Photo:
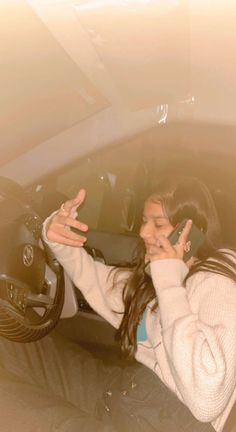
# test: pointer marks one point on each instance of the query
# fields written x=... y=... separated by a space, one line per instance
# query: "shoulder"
x=204 y=277
x=220 y=264
x=217 y=280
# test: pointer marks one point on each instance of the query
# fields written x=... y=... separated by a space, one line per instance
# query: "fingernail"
x=84 y=227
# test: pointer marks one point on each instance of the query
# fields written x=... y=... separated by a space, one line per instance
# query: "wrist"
x=168 y=273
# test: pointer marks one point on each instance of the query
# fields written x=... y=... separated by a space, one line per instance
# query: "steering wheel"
x=31 y=280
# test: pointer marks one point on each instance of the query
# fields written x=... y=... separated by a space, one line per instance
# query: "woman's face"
x=155 y=224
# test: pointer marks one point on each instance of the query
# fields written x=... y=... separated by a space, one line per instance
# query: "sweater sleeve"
x=198 y=335
x=94 y=279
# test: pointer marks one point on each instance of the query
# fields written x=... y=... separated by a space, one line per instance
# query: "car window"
x=110 y=179
x=118 y=178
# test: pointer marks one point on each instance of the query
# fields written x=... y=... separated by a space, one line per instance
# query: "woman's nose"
x=146 y=232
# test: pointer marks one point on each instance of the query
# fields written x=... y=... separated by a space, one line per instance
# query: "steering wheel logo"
x=28 y=255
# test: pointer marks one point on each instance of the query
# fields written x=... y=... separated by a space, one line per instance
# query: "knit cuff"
x=54 y=246
x=168 y=273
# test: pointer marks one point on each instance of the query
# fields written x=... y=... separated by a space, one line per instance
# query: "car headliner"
x=78 y=76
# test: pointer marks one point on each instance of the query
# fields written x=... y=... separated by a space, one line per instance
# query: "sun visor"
x=144 y=45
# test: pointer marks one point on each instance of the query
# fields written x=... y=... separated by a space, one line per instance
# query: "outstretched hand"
x=58 y=227
x=163 y=249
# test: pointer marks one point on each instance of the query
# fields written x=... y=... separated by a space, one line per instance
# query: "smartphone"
x=195 y=240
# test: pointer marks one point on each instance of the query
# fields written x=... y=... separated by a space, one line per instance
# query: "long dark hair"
x=180 y=197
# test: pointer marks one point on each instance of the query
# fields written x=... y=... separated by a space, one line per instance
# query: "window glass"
x=118 y=178
x=109 y=178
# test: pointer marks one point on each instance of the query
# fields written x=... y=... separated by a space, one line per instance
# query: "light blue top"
x=141 y=330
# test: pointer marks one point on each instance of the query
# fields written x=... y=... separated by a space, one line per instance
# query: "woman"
x=181 y=321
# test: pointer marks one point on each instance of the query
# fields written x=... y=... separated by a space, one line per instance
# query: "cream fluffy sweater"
x=191 y=341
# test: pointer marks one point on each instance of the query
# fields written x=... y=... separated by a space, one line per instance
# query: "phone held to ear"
x=194 y=241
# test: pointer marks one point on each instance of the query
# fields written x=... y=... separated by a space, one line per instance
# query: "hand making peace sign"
x=58 y=226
